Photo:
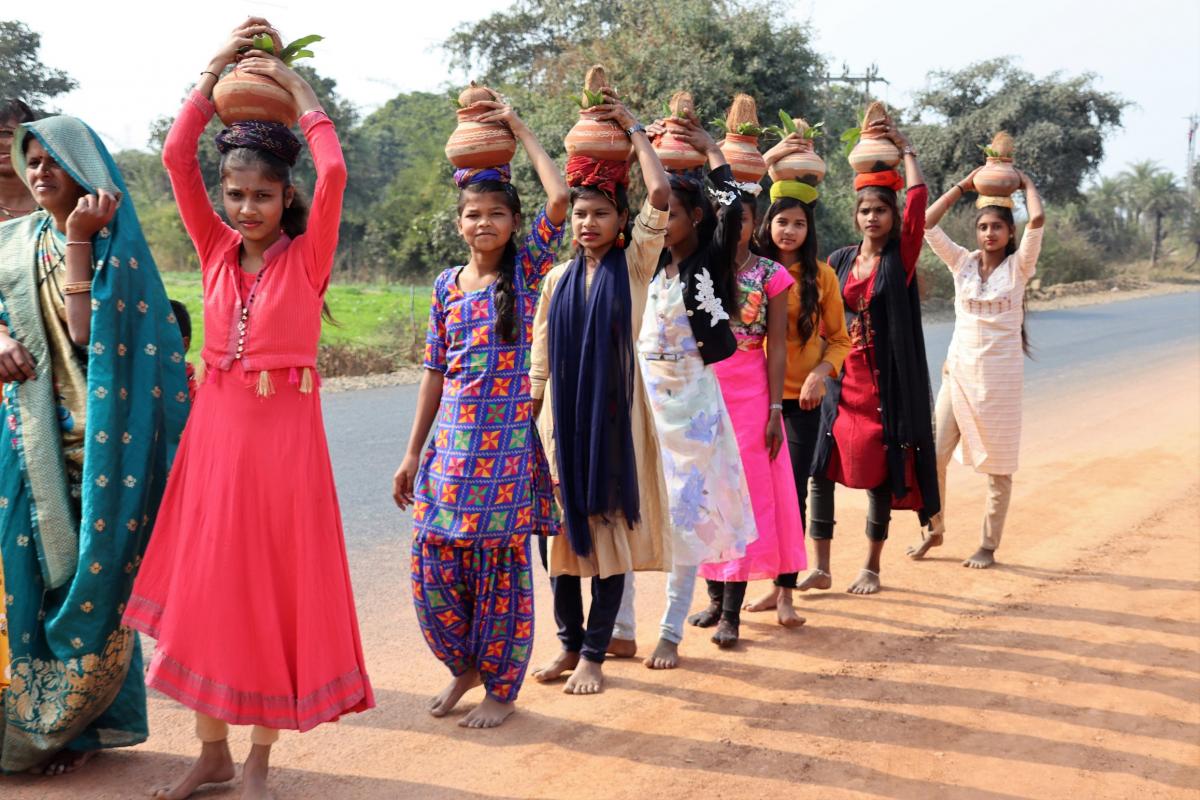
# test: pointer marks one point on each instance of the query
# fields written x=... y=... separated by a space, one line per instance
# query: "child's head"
x=788 y=232
x=184 y=320
x=877 y=213
x=489 y=218
x=690 y=215
x=996 y=230
x=256 y=181
x=598 y=219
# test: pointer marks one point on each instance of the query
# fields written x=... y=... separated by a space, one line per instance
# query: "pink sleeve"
x=912 y=229
x=209 y=233
x=780 y=281
x=325 y=215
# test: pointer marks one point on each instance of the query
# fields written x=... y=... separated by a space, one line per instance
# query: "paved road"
x=368 y=429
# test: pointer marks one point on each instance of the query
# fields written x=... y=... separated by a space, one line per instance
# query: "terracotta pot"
x=597 y=138
x=873 y=154
x=744 y=159
x=807 y=167
x=998 y=178
x=242 y=97
x=478 y=145
x=676 y=154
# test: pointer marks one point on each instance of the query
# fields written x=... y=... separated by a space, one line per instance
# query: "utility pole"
x=870 y=75
x=1191 y=177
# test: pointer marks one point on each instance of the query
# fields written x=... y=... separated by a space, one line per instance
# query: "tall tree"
x=1059 y=123
x=22 y=73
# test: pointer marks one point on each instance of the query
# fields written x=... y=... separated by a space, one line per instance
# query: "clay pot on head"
x=806 y=166
x=874 y=153
x=475 y=144
x=676 y=154
x=242 y=97
x=597 y=138
x=741 y=152
x=998 y=178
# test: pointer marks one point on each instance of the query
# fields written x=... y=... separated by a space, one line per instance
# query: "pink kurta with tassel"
x=245 y=583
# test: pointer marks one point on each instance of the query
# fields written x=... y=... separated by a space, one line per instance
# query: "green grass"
x=368 y=315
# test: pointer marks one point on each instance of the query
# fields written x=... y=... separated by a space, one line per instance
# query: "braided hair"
x=505 y=292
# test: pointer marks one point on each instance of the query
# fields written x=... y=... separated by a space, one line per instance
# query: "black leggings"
x=728 y=596
x=591 y=641
x=802 y=428
x=879 y=510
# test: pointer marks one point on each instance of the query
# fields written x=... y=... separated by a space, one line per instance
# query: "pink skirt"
x=779 y=548
x=245 y=583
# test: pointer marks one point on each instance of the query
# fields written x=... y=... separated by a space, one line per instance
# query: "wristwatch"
x=909 y=150
x=637 y=127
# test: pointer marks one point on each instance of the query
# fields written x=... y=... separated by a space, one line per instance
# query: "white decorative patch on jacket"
x=707 y=298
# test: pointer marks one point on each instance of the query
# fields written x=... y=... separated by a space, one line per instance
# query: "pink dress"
x=743 y=377
x=245 y=583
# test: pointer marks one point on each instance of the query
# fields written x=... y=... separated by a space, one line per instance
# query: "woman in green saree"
x=93 y=402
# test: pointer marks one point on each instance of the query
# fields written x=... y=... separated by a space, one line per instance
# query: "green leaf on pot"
x=296 y=56
x=815 y=130
x=789 y=124
x=719 y=123
x=850 y=138
x=989 y=152
x=749 y=129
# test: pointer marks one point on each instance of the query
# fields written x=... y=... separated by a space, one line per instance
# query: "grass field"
x=369 y=316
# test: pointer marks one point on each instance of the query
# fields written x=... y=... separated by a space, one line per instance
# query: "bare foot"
x=65 y=761
x=441 y=705
x=817 y=579
x=565 y=661
x=928 y=542
x=665 y=656
x=588 y=678
x=786 y=612
x=215 y=765
x=764 y=603
x=726 y=635
x=488 y=714
x=867 y=583
x=982 y=559
x=622 y=648
x=254 y=773
x=706 y=618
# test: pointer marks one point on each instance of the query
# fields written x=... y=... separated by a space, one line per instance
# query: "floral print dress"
x=711 y=515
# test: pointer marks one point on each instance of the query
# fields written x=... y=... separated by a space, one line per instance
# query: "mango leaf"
x=593 y=98
x=719 y=123
x=814 y=131
x=296 y=56
x=789 y=124
x=749 y=129
x=850 y=138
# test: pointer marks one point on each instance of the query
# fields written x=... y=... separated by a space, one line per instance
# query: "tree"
x=1156 y=196
x=22 y=73
x=1059 y=124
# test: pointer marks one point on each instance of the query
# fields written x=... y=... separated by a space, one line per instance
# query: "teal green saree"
x=70 y=544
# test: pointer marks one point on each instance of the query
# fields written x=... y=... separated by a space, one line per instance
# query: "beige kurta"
x=985 y=366
x=617 y=547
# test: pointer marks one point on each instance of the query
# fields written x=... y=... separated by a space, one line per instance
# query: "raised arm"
x=1033 y=202
x=935 y=212
x=558 y=197
x=658 y=188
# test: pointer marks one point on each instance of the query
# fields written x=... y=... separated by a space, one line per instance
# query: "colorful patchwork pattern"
x=475 y=607
x=485 y=477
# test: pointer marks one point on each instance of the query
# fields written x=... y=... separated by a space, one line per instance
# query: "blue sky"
x=133 y=65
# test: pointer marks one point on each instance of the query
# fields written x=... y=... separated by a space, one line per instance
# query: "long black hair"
x=294 y=220
x=765 y=246
x=507 y=324
x=1006 y=216
x=14 y=109
x=718 y=229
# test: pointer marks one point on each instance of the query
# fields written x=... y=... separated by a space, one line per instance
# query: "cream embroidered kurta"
x=985 y=366
x=618 y=548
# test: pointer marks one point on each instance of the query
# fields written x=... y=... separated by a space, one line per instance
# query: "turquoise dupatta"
x=76 y=673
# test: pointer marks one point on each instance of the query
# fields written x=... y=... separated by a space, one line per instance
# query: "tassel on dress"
x=306 y=381
x=265 y=388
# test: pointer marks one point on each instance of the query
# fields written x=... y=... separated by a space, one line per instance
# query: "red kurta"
x=858 y=459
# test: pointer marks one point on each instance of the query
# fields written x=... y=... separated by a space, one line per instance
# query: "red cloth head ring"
x=887 y=179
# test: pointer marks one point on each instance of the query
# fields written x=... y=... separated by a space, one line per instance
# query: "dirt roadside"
x=1072 y=670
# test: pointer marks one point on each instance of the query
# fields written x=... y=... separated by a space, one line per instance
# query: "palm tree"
x=1154 y=195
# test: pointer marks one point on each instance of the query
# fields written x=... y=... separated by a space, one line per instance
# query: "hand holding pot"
x=791 y=145
x=886 y=129
x=499 y=112
x=967 y=184
x=613 y=109
x=257 y=62
x=241 y=40
x=693 y=133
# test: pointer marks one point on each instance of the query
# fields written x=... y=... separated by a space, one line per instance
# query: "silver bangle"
x=776 y=407
x=88 y=243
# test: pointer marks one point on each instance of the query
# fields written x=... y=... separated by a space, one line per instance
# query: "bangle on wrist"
x=78 y=287
x=87 y=242
x=776 y=406
x=216 y=77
